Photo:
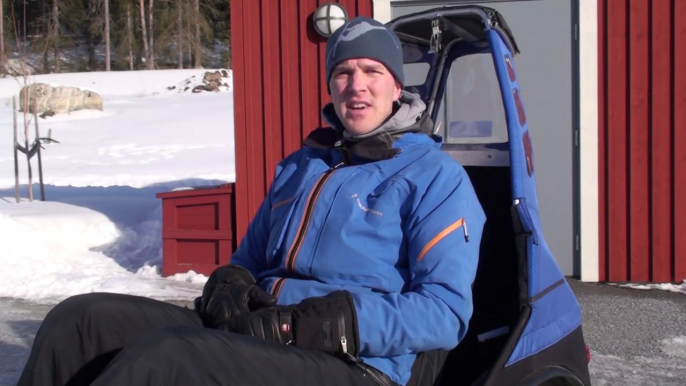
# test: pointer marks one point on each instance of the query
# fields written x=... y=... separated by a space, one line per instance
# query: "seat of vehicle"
x=495 y=292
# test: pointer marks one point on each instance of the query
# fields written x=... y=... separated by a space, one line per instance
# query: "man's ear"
x=396 y=92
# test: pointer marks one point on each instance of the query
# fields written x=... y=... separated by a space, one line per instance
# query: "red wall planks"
x=639 y=179
x=273 y=139
x=642 y=139
x=679 y=109
x=290 y=78
x=602 y=140
x=279 y=90
x=239 y=111
x=617 y=140
x=661 y=150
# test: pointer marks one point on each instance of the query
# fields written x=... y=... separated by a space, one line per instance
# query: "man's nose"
x=358 y=82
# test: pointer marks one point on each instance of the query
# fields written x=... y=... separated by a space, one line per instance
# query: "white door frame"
x=588 y=122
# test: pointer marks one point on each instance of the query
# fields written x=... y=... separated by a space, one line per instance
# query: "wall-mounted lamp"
x=328 y=18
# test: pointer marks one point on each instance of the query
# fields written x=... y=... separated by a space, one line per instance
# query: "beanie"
x=364 y=37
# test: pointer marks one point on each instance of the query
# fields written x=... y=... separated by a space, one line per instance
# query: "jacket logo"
x=364 y=208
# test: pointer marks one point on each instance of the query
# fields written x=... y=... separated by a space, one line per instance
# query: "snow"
x=681 y=288
x=100 y=228
x=119 y=83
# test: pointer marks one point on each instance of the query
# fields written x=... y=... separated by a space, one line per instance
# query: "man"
x=358 y=259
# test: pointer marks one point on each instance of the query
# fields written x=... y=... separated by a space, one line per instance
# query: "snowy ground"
x=99 y=229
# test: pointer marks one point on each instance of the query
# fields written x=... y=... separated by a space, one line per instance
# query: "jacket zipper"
x=277 y=286
x=344 y=340
x=295 y=248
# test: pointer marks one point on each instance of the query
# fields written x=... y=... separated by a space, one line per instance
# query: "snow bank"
x=145 y=82
x=53 y=250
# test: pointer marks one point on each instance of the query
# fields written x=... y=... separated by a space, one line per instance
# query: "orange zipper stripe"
x=301 y=225
x=309 y=206
x=457 y=224
x=276 y=288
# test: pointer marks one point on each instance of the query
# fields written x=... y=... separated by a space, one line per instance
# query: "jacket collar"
x=374 y=148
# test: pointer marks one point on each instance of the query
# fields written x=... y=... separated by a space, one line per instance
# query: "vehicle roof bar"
x=457 y=30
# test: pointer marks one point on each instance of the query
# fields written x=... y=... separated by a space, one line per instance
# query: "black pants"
x=112 y=339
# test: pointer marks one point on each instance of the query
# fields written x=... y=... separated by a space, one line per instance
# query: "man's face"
x=363 y=92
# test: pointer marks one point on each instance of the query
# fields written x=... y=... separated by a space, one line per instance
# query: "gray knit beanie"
x=364 y=37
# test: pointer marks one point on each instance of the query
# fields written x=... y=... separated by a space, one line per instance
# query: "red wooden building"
x=629 y=70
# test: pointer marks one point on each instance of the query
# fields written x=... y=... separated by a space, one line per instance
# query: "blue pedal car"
x=527 y=327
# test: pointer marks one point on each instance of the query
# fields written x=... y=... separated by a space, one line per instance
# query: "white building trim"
x=381 y=10
x=588 y=120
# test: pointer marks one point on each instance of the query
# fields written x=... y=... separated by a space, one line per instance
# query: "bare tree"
x=2 y=37
x=198 y=46
x=152 y=34
x=129 y=34
x=179 y=43
x=55 y=34
x=146 y=51
x=107 y=35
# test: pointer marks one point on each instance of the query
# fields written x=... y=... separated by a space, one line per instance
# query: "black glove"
x=230 y=291
x=327 y=323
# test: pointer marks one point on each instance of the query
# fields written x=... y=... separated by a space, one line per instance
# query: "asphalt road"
x=636 y=337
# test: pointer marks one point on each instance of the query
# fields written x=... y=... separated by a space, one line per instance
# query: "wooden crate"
x=197 y=229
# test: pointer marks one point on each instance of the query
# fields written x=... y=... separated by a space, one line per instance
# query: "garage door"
x=543 y=30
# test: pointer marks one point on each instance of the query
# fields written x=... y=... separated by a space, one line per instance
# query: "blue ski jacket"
x=400 y=233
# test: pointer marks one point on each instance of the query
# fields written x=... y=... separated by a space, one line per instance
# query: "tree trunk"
x=146 y=51
x=179 y=42
x=55 y=35
x=129 y=35
x=152 y=33
x=2 y=37
x=47 y=30
x=198 y=45
x=90 y=65
x=189 y=37
x=107 y=35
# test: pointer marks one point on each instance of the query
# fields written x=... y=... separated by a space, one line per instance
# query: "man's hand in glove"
x=230 y=291
x=326 y=323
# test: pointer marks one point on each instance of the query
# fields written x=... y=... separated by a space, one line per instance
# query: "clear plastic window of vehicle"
x=416 y=73
x=472 y=108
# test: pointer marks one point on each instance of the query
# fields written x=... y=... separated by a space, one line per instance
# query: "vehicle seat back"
x=496 y=287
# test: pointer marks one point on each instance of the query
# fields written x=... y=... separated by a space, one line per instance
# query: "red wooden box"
x=197 y=229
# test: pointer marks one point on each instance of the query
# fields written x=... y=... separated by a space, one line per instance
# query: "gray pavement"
x=636 y=337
